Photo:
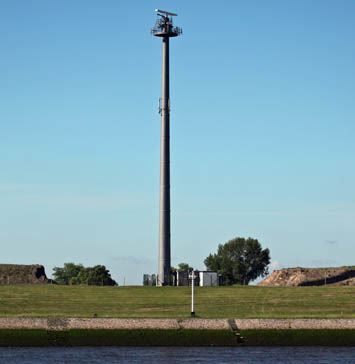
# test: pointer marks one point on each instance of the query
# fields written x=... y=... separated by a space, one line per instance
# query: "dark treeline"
x=72 y=274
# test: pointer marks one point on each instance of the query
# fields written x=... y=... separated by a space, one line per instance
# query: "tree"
x=181 y=267
x=95 y=276
x=67 y=273
x=78 y=274
x=240 y=261
x=184 y=266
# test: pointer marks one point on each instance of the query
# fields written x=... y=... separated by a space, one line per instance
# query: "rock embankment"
x=57 y=323
x=23 y=274
x=310 y=277
x=60 y=324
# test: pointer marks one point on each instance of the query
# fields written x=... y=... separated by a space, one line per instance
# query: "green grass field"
x=174 y=302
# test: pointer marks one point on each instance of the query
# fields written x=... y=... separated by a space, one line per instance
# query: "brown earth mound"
x=23 y=274
x=310 y=277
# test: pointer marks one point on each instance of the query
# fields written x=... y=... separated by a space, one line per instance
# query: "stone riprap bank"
x=174 y=324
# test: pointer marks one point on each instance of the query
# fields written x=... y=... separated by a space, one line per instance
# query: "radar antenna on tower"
x=164 y=25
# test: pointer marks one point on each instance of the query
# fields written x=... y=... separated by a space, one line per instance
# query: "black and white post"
x=164 y=28
x=192 y=276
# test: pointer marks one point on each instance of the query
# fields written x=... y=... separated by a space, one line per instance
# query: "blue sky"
x=262 y=128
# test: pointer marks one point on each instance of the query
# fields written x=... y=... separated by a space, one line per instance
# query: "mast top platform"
x=164 y=25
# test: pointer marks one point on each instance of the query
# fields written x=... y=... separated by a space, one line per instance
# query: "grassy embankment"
x=117 y=338
x=174 y=302
x=176 y=338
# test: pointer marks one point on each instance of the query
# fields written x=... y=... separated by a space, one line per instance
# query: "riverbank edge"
x=60 y=324
x=176 y=338
x=174 y=332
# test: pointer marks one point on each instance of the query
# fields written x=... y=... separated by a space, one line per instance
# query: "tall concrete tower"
x=164 y=28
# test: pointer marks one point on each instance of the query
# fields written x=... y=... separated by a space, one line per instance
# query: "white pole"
x=192 y=294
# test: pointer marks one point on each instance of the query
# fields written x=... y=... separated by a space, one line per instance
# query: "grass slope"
x=174 y=302
x=117 y=338
x=176 y=338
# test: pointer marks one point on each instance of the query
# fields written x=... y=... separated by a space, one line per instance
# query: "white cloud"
x=274 y=265
x=330 y=242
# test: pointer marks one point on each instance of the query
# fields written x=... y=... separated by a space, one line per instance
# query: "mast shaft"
x=164 y=219
x=165 y=29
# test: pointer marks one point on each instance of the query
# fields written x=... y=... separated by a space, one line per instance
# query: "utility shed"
x=208 y=279
x=184 y=278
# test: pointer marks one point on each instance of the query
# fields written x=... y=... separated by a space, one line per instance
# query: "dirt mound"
x=310 y=277
x=23 y=274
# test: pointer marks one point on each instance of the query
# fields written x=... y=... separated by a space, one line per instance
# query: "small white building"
x=208 y=278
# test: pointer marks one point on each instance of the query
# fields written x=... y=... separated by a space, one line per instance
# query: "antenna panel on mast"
x=165 y=12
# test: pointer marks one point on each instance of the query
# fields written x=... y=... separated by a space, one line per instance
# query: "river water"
x=171 y=355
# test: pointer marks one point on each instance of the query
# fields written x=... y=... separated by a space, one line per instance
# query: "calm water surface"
x=244 y=355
